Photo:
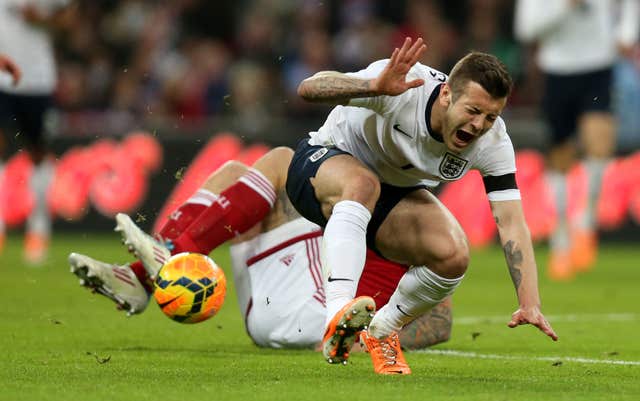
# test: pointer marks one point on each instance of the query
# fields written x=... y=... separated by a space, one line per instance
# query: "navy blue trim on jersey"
x=500 y=182
x=427 y=113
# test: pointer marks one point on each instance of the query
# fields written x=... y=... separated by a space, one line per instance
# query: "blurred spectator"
x=578 y=44
x=250 y=101
x=362 y=38
x=424 y=18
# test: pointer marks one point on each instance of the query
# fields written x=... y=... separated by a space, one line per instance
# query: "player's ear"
x=445 y=95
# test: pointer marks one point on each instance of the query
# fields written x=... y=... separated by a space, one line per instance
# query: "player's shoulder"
x=429 y=74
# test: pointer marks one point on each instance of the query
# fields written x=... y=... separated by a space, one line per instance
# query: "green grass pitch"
x=60 y=342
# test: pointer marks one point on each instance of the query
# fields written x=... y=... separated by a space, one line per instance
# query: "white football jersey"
x=392 y=136
x=29 y=46
x=279 y=285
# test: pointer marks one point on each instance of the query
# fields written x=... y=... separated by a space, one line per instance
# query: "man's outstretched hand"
x=392 y=80
x=535 y=317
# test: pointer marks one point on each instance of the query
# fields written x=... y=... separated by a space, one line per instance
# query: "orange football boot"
x=36 y=247
x=386 y=355
x=343 y=329
x=559 y=266
x=584 y=250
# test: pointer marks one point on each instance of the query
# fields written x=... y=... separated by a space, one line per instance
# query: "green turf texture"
x=60 y=342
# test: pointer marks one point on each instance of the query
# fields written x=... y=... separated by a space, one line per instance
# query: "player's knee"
x=362 y=187
x=451 y=257
x=233 y=167
x=231 y=171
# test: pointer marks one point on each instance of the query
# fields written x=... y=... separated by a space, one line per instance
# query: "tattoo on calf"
x=514 y=261
x=432 y=328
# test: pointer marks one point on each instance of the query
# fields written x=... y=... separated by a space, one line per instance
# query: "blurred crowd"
x=195 y=59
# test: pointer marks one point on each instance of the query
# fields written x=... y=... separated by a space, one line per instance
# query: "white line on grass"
x=620 y=317
x=525 y=358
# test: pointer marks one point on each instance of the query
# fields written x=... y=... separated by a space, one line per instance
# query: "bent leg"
x=420 y=230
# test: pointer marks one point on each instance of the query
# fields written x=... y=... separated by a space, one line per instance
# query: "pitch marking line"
x=619 y=317
x=525 y=358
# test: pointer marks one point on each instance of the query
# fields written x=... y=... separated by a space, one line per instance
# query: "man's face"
x=470 y=116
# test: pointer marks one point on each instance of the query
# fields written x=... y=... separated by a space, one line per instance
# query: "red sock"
x=238 y=208
x=143 y=277
x=186 y=214
x=175 y=225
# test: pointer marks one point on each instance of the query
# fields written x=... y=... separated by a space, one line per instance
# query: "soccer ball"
x=190 y=288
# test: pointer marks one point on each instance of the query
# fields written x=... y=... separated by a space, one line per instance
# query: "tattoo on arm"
x=514 y=261
x=335 y=88
x=432 y=328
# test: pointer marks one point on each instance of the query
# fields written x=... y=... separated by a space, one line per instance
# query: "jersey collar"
x=427 y=113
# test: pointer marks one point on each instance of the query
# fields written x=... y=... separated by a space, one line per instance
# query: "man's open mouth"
x=464 y=136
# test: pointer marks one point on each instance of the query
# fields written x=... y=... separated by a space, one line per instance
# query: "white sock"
x=559 y=239
x=344 y=253
x=39 y=220
x=418 y=291
x=595 y=171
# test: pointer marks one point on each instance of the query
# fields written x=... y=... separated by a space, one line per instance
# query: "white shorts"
x=278 y=278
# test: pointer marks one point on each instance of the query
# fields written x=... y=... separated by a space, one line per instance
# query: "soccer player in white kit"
x=276 y=266
x=399 y=127
x=578 y=44
x=25 y=37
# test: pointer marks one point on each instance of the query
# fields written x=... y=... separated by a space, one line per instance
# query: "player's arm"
x=518 y=251
x=338 y=88
x=7 y=65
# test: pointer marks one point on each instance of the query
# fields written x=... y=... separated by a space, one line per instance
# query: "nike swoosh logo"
x=401 y=311
x=397 y=128
x=162 y=305
x=330 y=279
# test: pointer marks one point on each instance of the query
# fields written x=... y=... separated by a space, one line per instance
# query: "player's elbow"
x=304 y=90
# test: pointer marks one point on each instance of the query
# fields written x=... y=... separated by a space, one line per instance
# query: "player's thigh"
x=343 y=177
x=274 y=165
x=597 y=133
x=596 y=126
x=420 y=230
x=318 y=177
x=561 y=107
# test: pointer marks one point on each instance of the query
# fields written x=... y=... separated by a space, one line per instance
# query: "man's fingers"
x=545 y=327
x=414 y=49
x=394 y=56
x=415 y=83
x=405 y=46
x=418 y=54
x=542 y=325
x=16 y=73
